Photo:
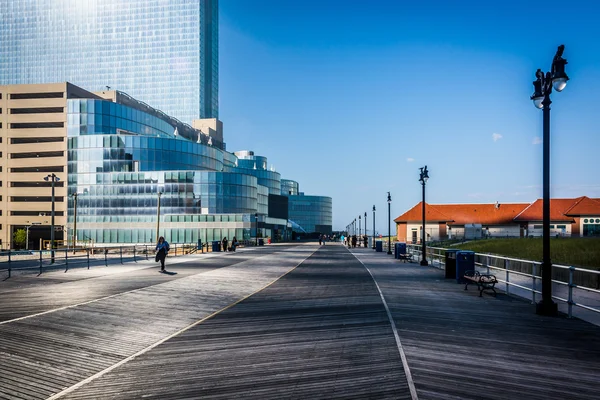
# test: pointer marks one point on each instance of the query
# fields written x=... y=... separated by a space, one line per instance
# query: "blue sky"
x=350 y=98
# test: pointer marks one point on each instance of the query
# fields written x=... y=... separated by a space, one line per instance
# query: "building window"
x=59 y=168
x=34 y=125
x=38 y=154
x=39 y=110
x=537 y=227
x=35 y=213
x=37 y=184
x=47 y=95
x=36 y=199
x=561 y=226
x=35 y=140
x=585 y=221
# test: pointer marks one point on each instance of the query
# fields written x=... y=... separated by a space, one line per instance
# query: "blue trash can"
x=379 y=246
x=199 y=245
x=216 y=246
x=465 y=261
x=261 y=242
x=399 y=249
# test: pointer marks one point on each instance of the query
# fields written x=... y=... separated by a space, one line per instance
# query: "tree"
x=20 y=237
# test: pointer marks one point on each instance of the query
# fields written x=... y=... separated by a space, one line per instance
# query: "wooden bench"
x=483 y=281
x=405 y=257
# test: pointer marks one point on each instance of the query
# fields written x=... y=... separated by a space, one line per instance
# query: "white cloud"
x=410 y=159
x=537 y=140
x=496 y=136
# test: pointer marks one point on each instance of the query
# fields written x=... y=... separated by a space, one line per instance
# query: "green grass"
x=577 y=252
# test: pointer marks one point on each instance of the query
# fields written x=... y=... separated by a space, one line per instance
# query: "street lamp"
x=53 y=178
x=359 y=231
x=159 y=193
x=366 y=229
x=256 y=219
x=389 y=200
x=556 y=78
x=423 y=179
x=74 y=195
x=373 y=226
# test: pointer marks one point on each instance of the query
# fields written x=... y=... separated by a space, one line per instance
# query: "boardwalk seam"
x=411 y=384
x=152 y=346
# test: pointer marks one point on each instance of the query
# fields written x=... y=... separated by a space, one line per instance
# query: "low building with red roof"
x=568 y=217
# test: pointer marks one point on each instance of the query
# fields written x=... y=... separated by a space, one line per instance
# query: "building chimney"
x=497 y=206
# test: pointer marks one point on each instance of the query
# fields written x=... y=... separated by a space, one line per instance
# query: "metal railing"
x=12 y=261
x=523 y=278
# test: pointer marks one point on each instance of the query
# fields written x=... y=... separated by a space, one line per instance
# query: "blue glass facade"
x=312 y=213
x=289 y=188
x=164 y=53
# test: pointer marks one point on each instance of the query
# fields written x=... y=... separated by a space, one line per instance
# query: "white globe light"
x=537 y=102
x=559 y=84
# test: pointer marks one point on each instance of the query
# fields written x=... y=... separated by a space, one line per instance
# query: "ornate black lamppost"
x=75 y=221
x=423 y=179
x=366 y=230
x=53 y=178
x=373 y=226
x=359 y=231
x=256 y=219
x=389 y=200
x=556 y=78
x=159 y=194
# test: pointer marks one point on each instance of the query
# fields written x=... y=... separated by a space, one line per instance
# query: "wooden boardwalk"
x=284 y=322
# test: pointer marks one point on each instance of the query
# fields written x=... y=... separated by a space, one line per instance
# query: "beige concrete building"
x=33 y=145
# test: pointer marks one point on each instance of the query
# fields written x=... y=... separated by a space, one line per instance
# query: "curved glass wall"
x=270 y=179
x=289 y=187
x=312 y=213
x=127 y=153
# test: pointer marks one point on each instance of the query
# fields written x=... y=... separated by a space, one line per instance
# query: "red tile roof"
x=505 y=214
x=584 y=206
x=558 y=207
x=460 y=214
x=432 y=214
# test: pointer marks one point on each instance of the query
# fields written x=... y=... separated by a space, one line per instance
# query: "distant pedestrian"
x=365 y=240
x=224 y=243
x=320 y=240
x=162 y=249
x=234 y=243
x=354 y=240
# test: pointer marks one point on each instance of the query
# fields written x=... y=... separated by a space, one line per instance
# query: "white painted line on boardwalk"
x=179 y=332
x=411 y=384
x=101 y=298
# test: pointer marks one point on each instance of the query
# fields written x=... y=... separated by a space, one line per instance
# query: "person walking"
x=162 y=249
x=233 y=243
x=224 y=243
x=320 y=239
x=354 y=241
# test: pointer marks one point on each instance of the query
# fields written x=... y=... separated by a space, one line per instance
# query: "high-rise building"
x=162 y=52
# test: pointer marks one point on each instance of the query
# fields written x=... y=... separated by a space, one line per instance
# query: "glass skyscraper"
x=162 y=52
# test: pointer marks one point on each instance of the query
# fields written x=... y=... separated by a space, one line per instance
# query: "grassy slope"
x=577 y=252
